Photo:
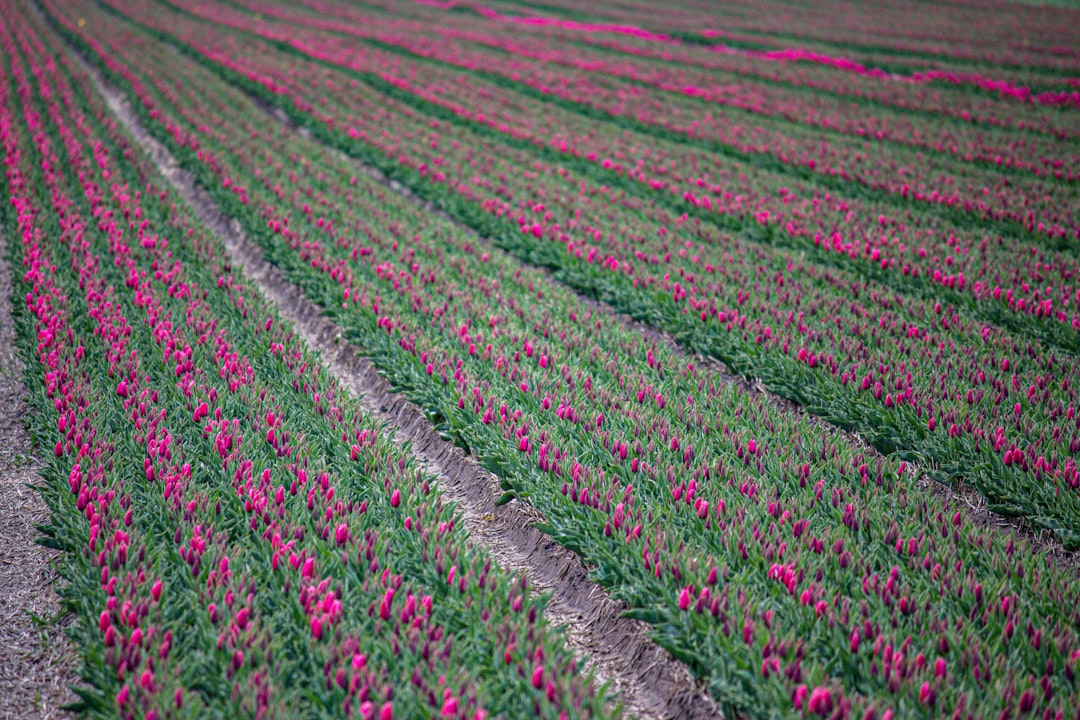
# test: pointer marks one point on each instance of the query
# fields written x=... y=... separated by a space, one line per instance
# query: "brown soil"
x=648 y=680
x=36 y=661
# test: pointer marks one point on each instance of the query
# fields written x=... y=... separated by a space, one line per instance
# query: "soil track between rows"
x=37 y=664
x=648 y=680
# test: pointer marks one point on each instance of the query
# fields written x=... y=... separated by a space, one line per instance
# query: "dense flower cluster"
x=726 y=197
x=241 y=539
x=925 y=354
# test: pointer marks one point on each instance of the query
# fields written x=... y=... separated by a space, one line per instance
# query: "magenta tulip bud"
x=799 y=696
x=821 y=701
x=684 y=599
x=927 y=696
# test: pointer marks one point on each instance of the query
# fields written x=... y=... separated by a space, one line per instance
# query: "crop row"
x=871 y=231
x=968 y=400
x=790 y=569
x=963 y=123
x=241 y=540
x=896 y=176
x=960 y=38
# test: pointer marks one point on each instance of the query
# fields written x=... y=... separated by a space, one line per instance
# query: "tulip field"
x=770 y=316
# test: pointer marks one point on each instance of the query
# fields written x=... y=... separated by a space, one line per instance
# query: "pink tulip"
x=684 y=598
x=821 y=701
x=927 y=696
x=799 y=696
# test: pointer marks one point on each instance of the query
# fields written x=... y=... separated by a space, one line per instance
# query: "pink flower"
x=821 y=701
x=387 y=712
x=122 y=389
x=395 y=498
x=341 y=534
x=155 y=591
x=927 y=696
x=799 y=697
x=538 y=677
x=684 y=599
x=384 y=607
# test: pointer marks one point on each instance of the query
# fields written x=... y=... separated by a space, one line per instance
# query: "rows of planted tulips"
x=928 y=51
x=790 y=569
x=974 y=382
x=242 y=540
x=964 y=39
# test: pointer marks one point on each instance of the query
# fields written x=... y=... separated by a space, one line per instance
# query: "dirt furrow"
x=37 y=664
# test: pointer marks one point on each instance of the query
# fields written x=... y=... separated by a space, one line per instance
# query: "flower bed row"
x=241 y=540
x=917 y=378
x=791 y=570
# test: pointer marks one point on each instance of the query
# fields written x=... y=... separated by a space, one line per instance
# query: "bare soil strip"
x=37 y=664
x=648 y=680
